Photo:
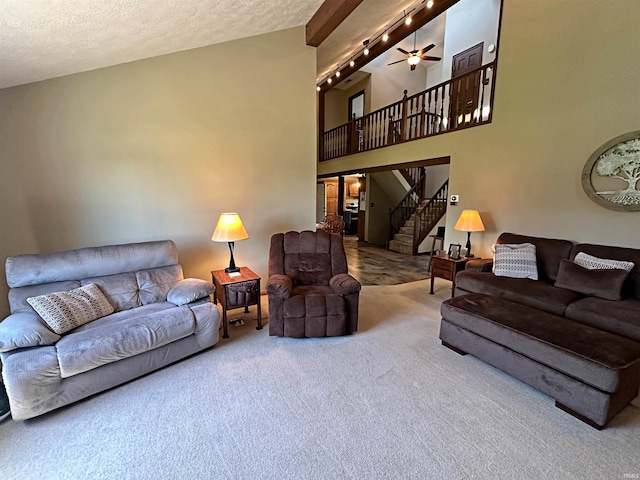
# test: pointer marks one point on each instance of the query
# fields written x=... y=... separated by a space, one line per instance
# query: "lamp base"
x=232 y=270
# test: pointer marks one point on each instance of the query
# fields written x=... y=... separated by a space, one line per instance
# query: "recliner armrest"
x=279 y=286
x=22 y=330
x=189 y=290
x=344 y=284
x=480 y=265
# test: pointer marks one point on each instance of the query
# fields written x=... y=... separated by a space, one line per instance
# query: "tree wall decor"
x=611 y=175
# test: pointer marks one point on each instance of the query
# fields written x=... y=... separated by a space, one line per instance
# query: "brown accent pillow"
x=606 y=283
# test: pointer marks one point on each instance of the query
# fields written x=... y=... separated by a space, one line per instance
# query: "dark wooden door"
x=465 y=87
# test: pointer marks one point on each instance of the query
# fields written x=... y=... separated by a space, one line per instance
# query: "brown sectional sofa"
x=582 y=350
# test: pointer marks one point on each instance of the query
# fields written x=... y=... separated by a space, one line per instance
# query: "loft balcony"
x=462 y=102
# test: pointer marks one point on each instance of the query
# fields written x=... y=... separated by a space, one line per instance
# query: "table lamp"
x=230 y=229
x=469 y=221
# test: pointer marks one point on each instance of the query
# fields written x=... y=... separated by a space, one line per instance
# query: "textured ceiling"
x=42 y=39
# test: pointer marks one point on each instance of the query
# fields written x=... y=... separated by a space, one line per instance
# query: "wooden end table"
x=236 y=292
x=443 y=266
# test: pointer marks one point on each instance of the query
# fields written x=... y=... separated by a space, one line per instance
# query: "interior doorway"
x=465 y=91
x=356 y=105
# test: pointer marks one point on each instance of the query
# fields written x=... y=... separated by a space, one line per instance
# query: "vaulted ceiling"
x=41 y=39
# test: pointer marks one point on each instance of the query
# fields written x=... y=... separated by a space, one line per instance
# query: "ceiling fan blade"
x=433 y=59
x=393 y=63
x=427 y=48
x=403 y=51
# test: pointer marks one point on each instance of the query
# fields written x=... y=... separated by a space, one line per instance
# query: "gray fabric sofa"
x=582 y=350
x=159 y=317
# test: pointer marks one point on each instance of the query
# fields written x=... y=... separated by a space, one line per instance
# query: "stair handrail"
x=435 y=209
x=399 y=214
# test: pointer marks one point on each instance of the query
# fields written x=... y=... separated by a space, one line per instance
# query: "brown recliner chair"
x=310 y=292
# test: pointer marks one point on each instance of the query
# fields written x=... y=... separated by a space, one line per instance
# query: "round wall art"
x=611 y=175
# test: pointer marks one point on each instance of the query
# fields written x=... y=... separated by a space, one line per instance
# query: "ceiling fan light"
x=413 y=60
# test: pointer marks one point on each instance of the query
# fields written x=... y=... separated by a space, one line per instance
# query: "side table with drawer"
x=237 y=292
x=443 y=266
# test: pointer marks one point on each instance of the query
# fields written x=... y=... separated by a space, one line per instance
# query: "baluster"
x=423 y=116
x=403 y=125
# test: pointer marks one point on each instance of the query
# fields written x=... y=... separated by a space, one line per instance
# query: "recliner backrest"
x=129 y=275
x=308 y=258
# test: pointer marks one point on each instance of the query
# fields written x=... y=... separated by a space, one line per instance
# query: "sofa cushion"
x=64 y=311
x=605 y=283
x=549 y=252
x=535 y=293
x=155 y=283
x=589 y=354
x=631 y=287
x=621 y=318
x=18 y=296
x=120 y=289
x=35 y=269
x=515 y=260
x=128 y=334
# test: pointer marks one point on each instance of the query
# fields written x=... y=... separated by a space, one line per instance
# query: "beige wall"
x=158 y=148
x=336 y=103
x=567 y=82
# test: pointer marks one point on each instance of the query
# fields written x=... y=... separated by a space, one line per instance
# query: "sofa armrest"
x=279 y=286
x=189 y=290
x=480 y=265
x=344 y=284
x=22 y=330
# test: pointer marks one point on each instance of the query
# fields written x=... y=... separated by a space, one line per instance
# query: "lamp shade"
x=469 y=221
x=229 y=229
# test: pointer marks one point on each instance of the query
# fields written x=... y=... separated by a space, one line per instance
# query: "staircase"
x=424 y=218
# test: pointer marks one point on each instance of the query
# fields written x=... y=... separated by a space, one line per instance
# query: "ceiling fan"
x=414 y=56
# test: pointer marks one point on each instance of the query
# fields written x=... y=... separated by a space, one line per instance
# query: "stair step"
x=402 y=238
x=399 y=247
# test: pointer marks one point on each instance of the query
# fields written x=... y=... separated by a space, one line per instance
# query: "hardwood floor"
x=372 y=265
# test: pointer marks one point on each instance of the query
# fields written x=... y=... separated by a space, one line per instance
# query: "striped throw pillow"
x=64 y=311
x=594 y=263
x=515 y=260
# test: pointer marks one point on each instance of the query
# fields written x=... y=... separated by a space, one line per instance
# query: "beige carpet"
x=388 y=402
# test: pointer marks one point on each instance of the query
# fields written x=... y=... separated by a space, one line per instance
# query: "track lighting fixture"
x=385 y=37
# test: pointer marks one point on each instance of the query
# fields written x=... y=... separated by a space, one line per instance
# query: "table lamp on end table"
x=469 y=221
x=230 y=229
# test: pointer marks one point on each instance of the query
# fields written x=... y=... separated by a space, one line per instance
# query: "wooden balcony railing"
x=463 y=102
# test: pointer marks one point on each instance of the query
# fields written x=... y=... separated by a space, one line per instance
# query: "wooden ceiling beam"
x=330 y=14
x=378 y=47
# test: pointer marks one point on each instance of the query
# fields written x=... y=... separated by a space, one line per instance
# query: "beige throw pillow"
x=64 y=311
